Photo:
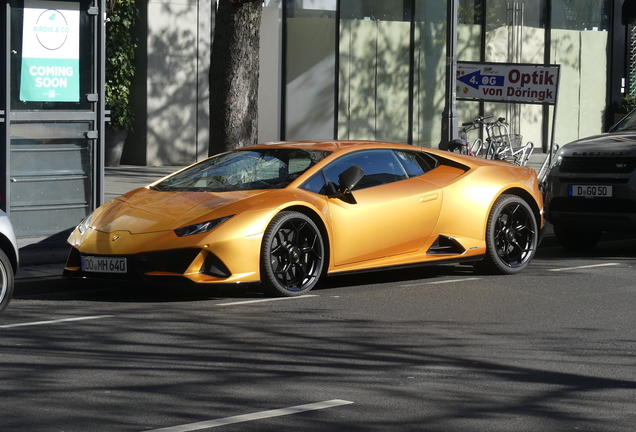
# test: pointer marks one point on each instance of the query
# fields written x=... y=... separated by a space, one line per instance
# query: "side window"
x=416 y=163
x=316 y=184
x=380 y=167
x=628 y=123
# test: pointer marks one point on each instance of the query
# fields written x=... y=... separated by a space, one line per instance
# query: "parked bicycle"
x=499 y=143
x=477 y=146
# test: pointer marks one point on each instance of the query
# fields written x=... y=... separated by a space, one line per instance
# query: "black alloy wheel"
x=511 y=236
x=292 y=254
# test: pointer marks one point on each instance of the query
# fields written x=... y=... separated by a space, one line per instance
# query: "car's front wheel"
x=292 y=254
x=511 y=236
x=6 y=281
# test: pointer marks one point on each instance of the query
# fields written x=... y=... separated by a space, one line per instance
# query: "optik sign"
x=50 y=52
x=507 y=82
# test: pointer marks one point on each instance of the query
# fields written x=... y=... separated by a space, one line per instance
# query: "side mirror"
x=349 y=178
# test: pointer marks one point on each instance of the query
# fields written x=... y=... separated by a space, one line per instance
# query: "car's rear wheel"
x=6 y=281
x=573 y=239
x=292 y=254
x=511 y=236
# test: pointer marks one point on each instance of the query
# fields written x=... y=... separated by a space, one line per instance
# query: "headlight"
x=557 y=161
x=200 y=227
x=85 y=224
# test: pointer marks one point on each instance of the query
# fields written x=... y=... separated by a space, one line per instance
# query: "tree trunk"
x=234 y=71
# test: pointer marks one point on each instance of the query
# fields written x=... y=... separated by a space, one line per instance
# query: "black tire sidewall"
x=8 y=282
x=268 y=278
x=492 y=262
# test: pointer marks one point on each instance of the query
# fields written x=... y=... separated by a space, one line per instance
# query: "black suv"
x=592 y=186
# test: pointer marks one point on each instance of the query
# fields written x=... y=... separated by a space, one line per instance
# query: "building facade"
x=375 y=69
x=355 y=69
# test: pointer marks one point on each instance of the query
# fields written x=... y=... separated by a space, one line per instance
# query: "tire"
x=577 y=240
x=6 y=281
x=292 y=254
x=512 y=236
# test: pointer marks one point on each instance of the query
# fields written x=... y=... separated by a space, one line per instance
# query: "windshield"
x=627 y=124
x=244 y=170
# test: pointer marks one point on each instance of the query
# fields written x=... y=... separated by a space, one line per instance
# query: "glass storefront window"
x=374 y=10
x=380 y=73
x=374 y=59
x=469 y=30
x=469 y=38
x=470 y=12
x=430 y=72
x=580 y=44
x=515 y=33
x=310 y=69
x=588 y=15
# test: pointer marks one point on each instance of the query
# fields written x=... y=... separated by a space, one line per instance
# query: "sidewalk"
x=118 y=181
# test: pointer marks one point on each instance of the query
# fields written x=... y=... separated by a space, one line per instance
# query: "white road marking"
x=584 y=267
x=440 y=282
x=451 y=281
x=264 y=300
x=254 y=416
x=56 y=321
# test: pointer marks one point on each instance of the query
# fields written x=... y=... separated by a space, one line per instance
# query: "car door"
x=389 y=211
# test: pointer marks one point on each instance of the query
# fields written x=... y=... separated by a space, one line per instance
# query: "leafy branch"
x=120 y=57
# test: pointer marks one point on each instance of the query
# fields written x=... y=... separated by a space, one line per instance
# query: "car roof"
x=331 y=145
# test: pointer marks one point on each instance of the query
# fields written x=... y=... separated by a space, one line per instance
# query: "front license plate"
x=589 y=191
x=104 y=264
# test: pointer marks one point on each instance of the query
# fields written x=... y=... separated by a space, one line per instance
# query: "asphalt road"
x=431 y=349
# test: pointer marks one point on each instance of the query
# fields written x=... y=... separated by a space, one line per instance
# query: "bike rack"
x=547 y=165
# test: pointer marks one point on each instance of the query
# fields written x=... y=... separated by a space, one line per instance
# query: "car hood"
x=145 y=210
x=608 y=144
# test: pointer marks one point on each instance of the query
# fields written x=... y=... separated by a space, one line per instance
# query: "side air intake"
x=445 y=246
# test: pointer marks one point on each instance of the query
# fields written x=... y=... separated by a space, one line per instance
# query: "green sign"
x=50 y=52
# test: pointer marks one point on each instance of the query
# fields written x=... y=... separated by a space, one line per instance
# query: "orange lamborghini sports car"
x=286 y=214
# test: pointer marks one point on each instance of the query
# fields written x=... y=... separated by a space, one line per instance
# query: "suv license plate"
x=589 y=191
x=104 y=264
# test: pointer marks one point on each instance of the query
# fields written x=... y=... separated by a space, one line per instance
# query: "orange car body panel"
x=389 y=225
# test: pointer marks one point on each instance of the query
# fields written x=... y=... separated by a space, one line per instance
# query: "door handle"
x=429 y=198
